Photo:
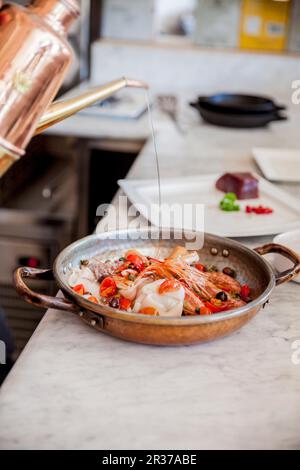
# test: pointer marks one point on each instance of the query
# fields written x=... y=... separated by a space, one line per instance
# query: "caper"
x=229 y=271
x=222 y=296
x=211 y=268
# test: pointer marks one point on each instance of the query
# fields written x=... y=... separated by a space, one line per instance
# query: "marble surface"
x=75 y=388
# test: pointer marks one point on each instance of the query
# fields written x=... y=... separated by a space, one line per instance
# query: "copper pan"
x=250 y=265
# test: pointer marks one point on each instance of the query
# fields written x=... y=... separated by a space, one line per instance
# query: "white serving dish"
x=201 y=189
x=278 y=164
x=291 y=240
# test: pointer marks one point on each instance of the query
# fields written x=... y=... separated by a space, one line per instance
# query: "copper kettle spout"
x=60 y=110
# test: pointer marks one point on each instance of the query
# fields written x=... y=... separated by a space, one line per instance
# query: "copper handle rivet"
x=214 y=251
x=93 y=323
x=81 y=314
x=225 y=253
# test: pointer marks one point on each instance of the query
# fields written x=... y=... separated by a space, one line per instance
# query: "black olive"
x=222 y=296
x=114 y=303
x=229 y=272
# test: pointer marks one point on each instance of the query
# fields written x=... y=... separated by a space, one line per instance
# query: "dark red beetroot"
x=243 y=184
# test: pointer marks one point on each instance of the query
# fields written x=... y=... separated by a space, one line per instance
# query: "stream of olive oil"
x=157 y=166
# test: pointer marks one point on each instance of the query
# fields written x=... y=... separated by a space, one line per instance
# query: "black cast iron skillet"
x=236 y=119
x=239 y=103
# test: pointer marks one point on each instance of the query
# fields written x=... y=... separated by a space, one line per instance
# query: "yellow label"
x=264 y=24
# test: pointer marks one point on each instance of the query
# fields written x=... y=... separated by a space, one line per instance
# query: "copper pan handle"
x=289 y=274
x=34 y=298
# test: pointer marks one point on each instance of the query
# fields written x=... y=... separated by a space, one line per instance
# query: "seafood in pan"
x=175 y=286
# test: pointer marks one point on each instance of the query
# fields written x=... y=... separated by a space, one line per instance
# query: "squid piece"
x=165 y=304
x=86 y=277
x=131 y=292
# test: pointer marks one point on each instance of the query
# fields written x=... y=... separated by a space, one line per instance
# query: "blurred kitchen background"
x=182 y=48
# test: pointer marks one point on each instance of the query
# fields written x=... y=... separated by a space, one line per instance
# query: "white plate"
x=202 y=190
x=292 y=241
x=278 y=164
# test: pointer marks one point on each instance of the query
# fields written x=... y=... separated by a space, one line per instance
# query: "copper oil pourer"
x=34 y=59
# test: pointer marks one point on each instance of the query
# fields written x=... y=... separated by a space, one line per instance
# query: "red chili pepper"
x=200 y=267
x=216 y=306
x=108 y=287
x=124 y=303
x=245 y=291
x=136 y=260
x=205 y=311
x=79 y=289
x=170 y=285
x=258 y=210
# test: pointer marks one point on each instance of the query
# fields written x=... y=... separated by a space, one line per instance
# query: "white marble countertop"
x=75 y=388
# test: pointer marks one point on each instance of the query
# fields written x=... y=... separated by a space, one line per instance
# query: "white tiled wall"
x=218 y=22
x=205 y=71
x=130 y=19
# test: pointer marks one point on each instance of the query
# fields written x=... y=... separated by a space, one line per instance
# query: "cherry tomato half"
x=4 y=18
x=245 y=291
x=79 y=289
x=124 y=303
x=200 y=267
x=149 y=311
x=169 y=285
x=216 y=306
x=205 y=311
x=108 y=287
x=136 y=260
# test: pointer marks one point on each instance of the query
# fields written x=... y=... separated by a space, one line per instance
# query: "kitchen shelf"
x=186 y=44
